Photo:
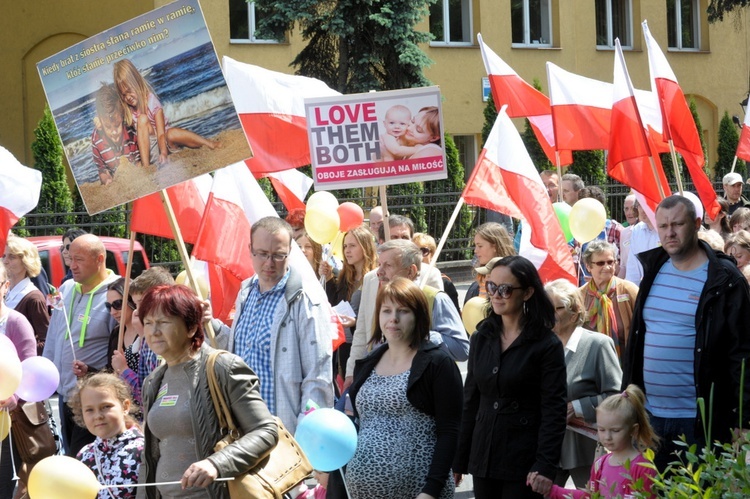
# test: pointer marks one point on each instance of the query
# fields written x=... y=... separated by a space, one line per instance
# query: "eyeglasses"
x=117 y=305
x=602 y=263
x=504 y=290
x=276 y=257
x=65 y=247
x=425 y=251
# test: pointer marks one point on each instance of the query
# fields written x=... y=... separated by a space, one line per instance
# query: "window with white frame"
x=614 y=19
x=683 y=24
x=450 y=22
x=243 y=20
x=531 y=22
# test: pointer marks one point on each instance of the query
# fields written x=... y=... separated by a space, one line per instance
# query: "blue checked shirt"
x=252 y=335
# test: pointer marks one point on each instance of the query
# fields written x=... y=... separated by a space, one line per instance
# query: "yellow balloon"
x=322 y=225
x=474 y=311
x=323 y=200
x=587 y=219
x=202 y=284
x=337 y=246
x=62 y=477
x=10 y=373
x=4 y=424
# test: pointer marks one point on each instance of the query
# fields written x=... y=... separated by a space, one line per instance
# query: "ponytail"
x=631 y=404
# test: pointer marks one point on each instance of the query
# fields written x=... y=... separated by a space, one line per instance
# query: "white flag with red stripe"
x=292 y=187
x=679 y=125
x=743 y=146
x=631 y=159
x=19 y=192
x=523 y=101
x=505 y=180
x=272 y=113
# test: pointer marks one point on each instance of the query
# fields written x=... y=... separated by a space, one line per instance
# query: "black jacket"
x=722 y=341
x=434 y=387
x=514 y=405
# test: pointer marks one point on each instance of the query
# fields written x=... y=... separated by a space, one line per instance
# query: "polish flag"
x=292 y=187
x=523 y=101
x=743 y=147
x=505 y=180
x=20 y=187
x=630 y=158
x=188 y=201
x=272 y=112
x=679 y=126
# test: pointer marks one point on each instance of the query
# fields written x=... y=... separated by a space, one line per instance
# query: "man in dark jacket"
x=689 y=333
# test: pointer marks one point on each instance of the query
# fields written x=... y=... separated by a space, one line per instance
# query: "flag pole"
x=734 y=163
x=443 y=239
x=559 y=175
x=656 y=176
x=384 y=205
x=126 y=291
x=184 y=256
x=675 y=164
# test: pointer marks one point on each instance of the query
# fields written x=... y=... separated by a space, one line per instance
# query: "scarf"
x=602 y=311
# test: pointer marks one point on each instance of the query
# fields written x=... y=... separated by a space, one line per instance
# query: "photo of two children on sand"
x=143 y=106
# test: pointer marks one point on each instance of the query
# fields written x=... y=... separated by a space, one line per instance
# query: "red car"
x=117 y=256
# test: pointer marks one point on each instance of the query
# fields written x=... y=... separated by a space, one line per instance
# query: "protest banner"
x=143 y=106
x=382 y=138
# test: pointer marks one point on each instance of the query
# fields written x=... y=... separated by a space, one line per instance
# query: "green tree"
x=353 y=46
x=55 y=195
x=590 y=166
x=718 y=8
x=490 y=115
x=728 y=140
x=699 y=128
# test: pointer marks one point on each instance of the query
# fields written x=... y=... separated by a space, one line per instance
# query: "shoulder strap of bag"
x=223 y=413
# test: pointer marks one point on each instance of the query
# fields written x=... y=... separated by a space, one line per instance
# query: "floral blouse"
x=115 y=461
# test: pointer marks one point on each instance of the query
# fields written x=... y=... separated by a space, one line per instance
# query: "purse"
x=280 y=471
x=32 y=435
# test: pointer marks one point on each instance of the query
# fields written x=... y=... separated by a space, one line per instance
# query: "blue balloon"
x=328 y=438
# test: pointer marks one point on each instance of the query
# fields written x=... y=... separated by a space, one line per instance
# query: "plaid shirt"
x=147 y=362
x=252 y=335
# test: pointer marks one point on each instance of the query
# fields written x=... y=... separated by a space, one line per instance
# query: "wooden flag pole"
x=126 y=291
x=443 y=239
x=184 y=256
x=559 y=176
x=676 y=167
x=384 y=205
x=656 y=177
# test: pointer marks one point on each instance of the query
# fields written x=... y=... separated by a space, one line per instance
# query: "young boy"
x=111 y=140
x=397 y=120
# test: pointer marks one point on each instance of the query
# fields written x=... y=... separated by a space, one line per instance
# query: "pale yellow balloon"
x=4 y=424
x=322 y=200
x=587 y=219
x=10 y=373
x=322 y=225
x=474 y=311
x=62 y=477
x=337 y=246
x=202 y=284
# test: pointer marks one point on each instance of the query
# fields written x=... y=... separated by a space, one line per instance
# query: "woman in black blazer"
x=515 y=393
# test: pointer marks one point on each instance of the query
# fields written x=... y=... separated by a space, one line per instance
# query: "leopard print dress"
x=395 y=444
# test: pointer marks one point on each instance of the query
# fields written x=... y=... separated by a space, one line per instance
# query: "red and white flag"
x=272 y=112
x=743 y=147
x=631 y=159
x=505 y=180
x=679 y=126
x=188 y=201
x=19 y=192
x=292 y=187
x=523 y=101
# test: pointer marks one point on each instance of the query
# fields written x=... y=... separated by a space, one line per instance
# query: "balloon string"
x=156 y=484
x=10 y=449
x=67 y=326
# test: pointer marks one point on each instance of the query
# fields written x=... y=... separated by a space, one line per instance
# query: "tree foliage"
x=353 y=46
x=728 y=140
x=718 y=8
x=490 y=115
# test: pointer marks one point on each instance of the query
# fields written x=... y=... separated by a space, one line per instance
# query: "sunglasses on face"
x=602 y=263
x=117 y=305
x=65 y=247
x=504 y=290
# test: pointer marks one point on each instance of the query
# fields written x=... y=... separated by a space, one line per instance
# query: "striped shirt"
x=668 y=355
x=252 y=335
x=107 y=155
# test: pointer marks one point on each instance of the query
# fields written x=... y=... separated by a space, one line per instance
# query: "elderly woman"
x=607 y=300
x=593 y=373
x=22 y=263
x=490 y=240
x=181 y=424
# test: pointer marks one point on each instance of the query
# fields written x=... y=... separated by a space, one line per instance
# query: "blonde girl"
x=101 y=404
x=153 y=133
x=625 y=431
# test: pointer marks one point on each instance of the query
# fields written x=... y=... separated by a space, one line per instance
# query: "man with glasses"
x=402 y=258
x=282 y=327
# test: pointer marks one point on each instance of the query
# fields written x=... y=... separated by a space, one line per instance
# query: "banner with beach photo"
x=143 y=106
x=377 y=138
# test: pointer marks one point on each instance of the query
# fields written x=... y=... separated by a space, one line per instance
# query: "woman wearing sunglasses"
x=607 y=300
x=515 y=393
x=123 y=313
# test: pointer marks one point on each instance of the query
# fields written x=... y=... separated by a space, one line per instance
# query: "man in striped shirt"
x=689 y=333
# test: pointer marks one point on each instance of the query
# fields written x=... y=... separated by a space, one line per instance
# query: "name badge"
x=83 y=318
x=163 y=390
x=169 y=401
x=621 y=298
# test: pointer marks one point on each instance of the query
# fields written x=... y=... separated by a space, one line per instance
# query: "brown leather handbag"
x=32 y=436
x=277 y=473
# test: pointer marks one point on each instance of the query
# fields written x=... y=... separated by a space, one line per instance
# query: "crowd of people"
x=656 y=320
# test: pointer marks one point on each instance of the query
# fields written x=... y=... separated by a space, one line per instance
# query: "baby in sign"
x=392 y=146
